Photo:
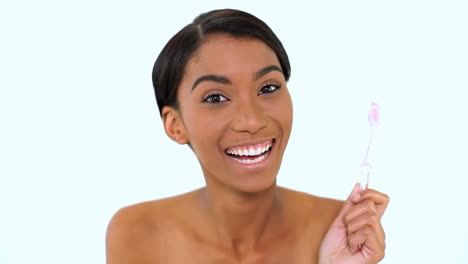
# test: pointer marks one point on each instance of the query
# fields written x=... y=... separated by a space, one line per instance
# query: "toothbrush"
x=374 y=122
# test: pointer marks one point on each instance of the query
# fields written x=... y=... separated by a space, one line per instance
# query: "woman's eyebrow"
x=212 y=77
x=259 y=74
x=225 y=80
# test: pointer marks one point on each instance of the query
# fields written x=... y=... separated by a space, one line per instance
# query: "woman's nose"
x=249 y=117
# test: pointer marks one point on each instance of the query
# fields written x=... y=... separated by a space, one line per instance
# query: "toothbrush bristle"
x=374 y=115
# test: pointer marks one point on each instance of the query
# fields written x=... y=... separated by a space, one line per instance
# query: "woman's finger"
x=348 y=204
x=366 y=240
x=373 y=249
x=363 y=207
x=366 y=219
x=359 y=238
x=380 y=200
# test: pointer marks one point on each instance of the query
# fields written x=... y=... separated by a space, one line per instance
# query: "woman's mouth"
x=251 y=154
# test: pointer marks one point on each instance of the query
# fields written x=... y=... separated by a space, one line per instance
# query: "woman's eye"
x=269 y=88
x=214 y=98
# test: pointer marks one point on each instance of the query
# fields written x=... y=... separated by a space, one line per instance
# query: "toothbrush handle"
x=366 y=167
x=365 y=175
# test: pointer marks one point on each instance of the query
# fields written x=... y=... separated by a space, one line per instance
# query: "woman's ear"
x=173 y=125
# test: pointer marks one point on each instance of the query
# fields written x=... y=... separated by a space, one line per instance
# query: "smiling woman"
x=221 y=88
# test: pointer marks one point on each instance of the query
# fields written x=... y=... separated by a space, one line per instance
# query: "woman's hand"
x=356 y=236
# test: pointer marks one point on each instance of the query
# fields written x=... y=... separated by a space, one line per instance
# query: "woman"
x=220 y=85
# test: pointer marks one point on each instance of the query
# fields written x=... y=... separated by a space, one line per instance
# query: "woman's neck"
x=242 y=220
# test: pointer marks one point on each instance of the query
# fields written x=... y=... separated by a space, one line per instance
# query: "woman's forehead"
x=225 y=54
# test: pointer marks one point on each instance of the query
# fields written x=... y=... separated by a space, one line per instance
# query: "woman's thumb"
x=353 y=198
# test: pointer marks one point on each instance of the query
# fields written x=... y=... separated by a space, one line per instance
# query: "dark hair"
x=170 y=64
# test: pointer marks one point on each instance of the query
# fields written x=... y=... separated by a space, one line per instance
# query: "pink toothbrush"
x=374 y=122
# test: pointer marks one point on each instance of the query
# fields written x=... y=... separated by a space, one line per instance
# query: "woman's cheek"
x=282 y=110
x=209 y=123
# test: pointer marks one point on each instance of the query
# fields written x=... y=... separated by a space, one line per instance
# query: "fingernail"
x=356 y=197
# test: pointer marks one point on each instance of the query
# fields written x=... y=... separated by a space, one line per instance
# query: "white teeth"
x=251 y=152
x=258 y=151
x=249 y=161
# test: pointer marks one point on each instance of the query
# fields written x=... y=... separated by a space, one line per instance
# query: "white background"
x=80 y=135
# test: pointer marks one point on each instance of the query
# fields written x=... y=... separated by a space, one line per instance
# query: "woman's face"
x=236 y=112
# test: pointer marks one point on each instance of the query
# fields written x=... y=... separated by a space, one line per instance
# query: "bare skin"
x=181 y=229
x=241 y=215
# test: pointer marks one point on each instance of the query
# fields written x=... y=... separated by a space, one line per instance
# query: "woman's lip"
x=256 y=164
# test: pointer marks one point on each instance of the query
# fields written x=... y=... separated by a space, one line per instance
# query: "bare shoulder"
x=136 y=230
x=315 y=210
